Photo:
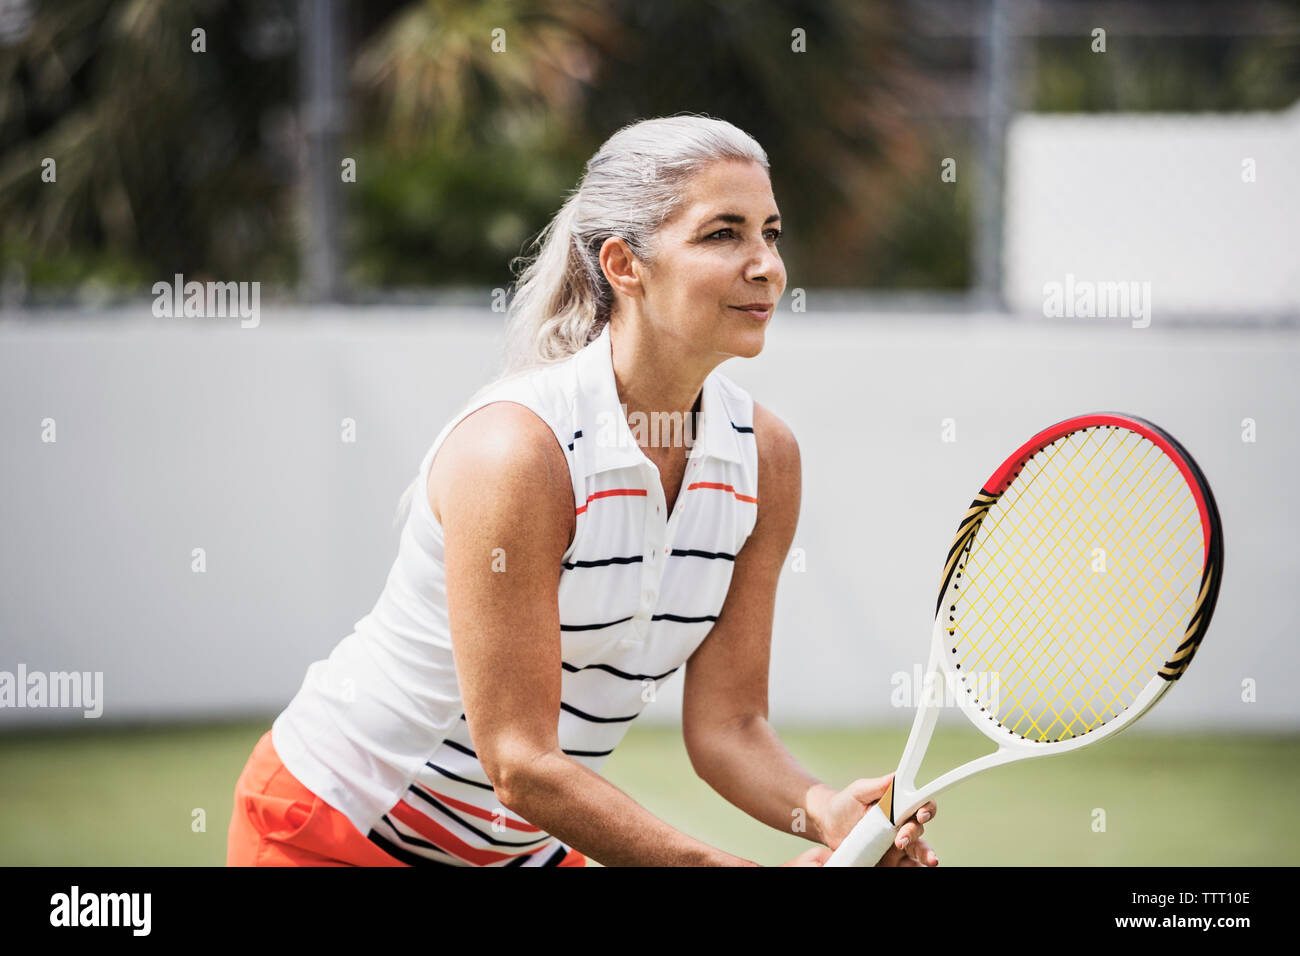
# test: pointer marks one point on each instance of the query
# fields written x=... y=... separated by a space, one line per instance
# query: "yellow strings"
x=1069 y=646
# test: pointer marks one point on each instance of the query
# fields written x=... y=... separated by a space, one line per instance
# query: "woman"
x=560 y=560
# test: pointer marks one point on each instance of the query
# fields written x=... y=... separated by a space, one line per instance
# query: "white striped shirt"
x=378 y=729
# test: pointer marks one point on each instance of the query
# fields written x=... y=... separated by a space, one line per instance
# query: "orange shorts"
x=279 y=822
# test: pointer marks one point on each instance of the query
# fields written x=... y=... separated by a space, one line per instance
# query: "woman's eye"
x=773 y=234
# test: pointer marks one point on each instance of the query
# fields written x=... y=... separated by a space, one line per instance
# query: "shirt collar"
x=606 y=437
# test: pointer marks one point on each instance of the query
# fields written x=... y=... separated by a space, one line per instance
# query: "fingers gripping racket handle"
x=867 y=842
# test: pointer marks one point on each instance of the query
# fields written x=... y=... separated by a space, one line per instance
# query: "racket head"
x=1080 y=583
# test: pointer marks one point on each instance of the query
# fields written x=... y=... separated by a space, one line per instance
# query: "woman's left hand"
x=845 y=808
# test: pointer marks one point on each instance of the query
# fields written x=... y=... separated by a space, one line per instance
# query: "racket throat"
x=886 y=803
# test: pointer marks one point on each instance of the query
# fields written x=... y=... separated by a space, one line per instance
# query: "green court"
x=129 y=797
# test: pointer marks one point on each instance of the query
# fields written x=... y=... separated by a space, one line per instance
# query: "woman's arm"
x=724 y=711
x=503 y=483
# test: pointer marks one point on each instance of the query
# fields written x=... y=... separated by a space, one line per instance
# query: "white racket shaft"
x=875 y=832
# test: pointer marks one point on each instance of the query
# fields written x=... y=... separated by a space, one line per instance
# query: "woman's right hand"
x=849 y=805
x=814 y=856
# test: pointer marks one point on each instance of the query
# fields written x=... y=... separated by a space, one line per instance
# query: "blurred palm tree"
x=472 y=119
x=473 y=149
x=163 y=154
x=451 y=72
x=471 y=134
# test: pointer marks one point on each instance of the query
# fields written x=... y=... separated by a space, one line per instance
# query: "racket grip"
x=867 y=842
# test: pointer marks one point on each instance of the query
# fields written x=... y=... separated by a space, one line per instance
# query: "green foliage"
x=159 y=150
x=1166 y=74
x=441 y=216
x=470 y=121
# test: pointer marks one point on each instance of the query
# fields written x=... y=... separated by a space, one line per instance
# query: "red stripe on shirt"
x=721 y=487
x=447 y=841
x=479 y=811
x=606 y=494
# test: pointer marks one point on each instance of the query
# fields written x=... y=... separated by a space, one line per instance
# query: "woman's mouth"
x=758 y=311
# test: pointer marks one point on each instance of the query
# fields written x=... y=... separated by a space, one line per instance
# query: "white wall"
x=176 y=434
x=1157 y=198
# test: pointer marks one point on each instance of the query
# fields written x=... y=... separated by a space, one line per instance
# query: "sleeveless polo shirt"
x=378 y=730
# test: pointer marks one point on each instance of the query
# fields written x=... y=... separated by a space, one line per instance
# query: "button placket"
x=654 y=531
x=659 y=533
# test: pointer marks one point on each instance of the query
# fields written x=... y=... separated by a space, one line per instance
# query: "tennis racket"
x=1080 y=584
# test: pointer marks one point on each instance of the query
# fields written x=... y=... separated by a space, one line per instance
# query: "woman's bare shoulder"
x=778 y=451
x=780 y=474
x=499 y=454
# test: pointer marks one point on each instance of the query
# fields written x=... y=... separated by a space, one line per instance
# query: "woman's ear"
x=621 y=267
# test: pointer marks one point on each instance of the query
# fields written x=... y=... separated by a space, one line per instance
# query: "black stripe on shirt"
x=749 y=429
x=680 y=619
x=693 y=553
x=593 y=627
x=576 y=436
x=406 y=856
x=461 y=747
x=555 y=858
x=594 y=719
x=600 y=563
x=572 y=753
x=572 y=669
x=457 y=777
x=410 y=839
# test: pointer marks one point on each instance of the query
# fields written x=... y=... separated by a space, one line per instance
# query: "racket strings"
x=1085 y=694
x=1139 y=668
x=1053 y=546
x=1078 y=584
x=1081 y=645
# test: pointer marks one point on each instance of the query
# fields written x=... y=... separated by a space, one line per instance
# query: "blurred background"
x=195 y=508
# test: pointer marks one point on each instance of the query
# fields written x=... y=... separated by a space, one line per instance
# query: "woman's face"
x=719 y=252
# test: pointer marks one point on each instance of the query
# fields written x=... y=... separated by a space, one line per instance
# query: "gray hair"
x=632 y=186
